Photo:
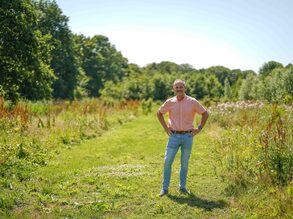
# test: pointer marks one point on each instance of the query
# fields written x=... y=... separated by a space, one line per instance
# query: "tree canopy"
x=40 y=58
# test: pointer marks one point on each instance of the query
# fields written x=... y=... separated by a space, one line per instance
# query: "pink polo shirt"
x=181 y=113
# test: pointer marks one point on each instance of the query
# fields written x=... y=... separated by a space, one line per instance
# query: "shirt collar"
x=184 y=98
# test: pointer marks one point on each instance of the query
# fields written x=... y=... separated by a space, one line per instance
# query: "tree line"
x=41 y=59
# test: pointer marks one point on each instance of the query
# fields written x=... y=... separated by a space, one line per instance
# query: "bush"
x=146 y=106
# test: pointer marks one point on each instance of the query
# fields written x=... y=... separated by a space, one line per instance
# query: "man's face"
x=179 y=88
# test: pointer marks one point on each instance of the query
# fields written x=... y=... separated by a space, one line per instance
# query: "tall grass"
x=29 y=131
x=255 y=152
x=32 y=133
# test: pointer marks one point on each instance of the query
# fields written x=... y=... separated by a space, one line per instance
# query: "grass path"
x=118 y=175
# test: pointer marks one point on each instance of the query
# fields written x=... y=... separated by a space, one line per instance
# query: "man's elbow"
x=206 y=114
x=159 y=113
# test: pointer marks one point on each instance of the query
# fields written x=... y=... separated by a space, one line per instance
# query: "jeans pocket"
x=171 y=135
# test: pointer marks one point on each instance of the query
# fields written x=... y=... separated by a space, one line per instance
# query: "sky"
x=237 y=34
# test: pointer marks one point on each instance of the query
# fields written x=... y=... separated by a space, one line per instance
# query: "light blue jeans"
x=176 y=141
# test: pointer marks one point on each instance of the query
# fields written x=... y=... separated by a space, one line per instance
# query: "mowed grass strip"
x=119 y=174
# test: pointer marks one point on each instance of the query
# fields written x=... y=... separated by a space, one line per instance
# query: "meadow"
x=98 y=159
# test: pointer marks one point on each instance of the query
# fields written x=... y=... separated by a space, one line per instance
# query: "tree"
x=132 y=87
x=288 y=82
x=112 y=91
x=24 y=53
x=197 y=86
x=236 y=87
x=186 y=67
x=101 y=62
x=162 y=87
x=227 y=90
x=251 y=88
x=214 y=87
x=163 y=67
x=64 y=58
x=220 y=72
x=268 y=67
x=279 y=85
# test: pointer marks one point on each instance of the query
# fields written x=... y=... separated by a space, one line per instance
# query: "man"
x=180 y=129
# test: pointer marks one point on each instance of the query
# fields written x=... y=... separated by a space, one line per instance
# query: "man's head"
x=179 y=87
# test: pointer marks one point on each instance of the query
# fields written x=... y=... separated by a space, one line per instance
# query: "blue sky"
x=233 y=33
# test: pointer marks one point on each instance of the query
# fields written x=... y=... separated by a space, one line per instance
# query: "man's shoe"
x=163 y=192
x=184 y=191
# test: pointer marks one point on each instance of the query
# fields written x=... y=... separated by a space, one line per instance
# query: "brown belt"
x=180 y=132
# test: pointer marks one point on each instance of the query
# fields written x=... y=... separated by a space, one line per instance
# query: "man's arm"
x=203 y=120
x=163 y=123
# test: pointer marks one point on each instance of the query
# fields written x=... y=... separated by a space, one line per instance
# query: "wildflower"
x=17 y=129
x=258 y=163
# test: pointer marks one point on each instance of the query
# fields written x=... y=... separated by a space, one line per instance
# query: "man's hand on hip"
x=168 y=131
x=195 y=131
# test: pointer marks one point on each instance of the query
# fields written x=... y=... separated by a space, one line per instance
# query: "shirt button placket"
x=180 y=115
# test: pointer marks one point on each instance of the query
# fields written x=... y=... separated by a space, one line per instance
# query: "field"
x=93 y=159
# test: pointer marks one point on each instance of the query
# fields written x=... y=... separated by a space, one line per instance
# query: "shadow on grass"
x=195 y=201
